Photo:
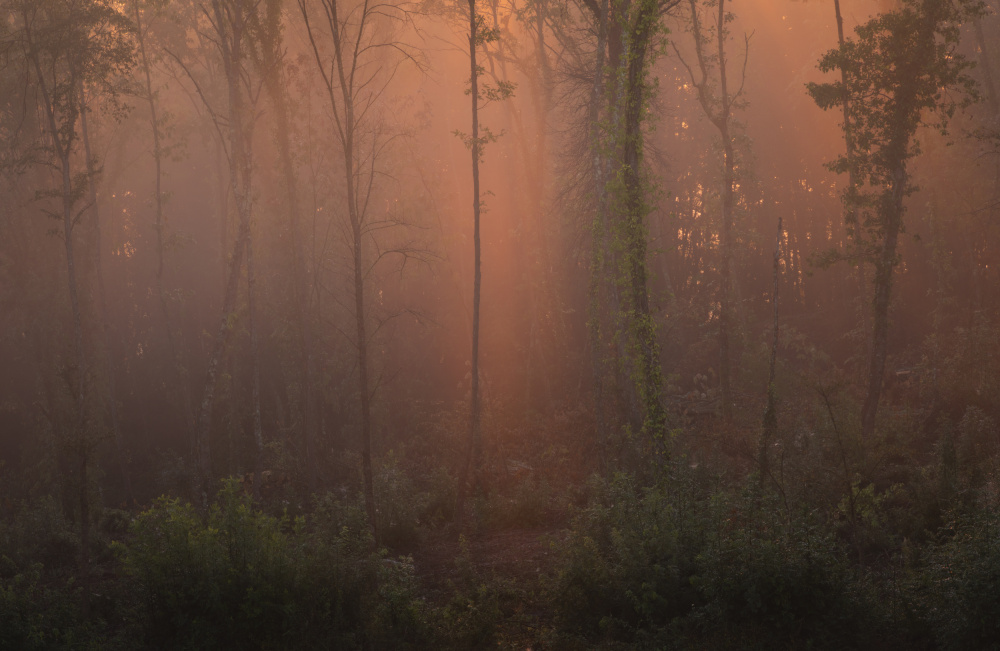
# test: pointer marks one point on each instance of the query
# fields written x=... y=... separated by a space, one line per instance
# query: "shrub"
x=665 y=563
x=772 y=581
x=34 y=615
x=477 y=606
x=960 y=588
x=399 y=504
x=626 y=562
x=38 y=533
x=241 y=579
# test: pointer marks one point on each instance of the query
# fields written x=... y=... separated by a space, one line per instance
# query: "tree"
x=269 y=57
x=229 y=30
x=93 y=173
x=64 y=46
x=718 y=103
x=357 y=63
x=642 y=26
x=479 y=35
x=619 y=295
x=899 y=70
x=850 y=217
x=143 y=12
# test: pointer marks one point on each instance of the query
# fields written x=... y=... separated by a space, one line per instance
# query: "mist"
x=725 y=304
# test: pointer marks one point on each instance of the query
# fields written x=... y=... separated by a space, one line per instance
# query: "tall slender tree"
x=143 y=12
x=229 y=22
x=357 y=52
x=93 y=173
x=64 y=46
x=269 y=57
x=897 y=70
x=717 y=100
x=627 y=38
x=479 y=35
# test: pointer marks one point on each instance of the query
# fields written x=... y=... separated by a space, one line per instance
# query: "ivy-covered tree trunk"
x=885 y=264
x=643 y=347
x=850 y=216
x=624 y=349
x=913 y=62
x=599 y=226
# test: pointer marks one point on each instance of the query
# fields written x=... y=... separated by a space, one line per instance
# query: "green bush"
x=34 y=615
x=626 y=562
x=660 y=565
x=241 y=579
x=960 y=587
x=772 y=582
x=38 y=533
x=399 y=504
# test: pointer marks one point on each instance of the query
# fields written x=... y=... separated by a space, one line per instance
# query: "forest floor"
x=511 y=564
x=522 y=555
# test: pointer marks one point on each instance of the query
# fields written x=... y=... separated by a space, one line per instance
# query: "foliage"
x=478 y=605
x=400 y=505
x=901 y=69
x=961 y=587
x=38 y=533
x=36 y=615
x=626 y=563
x=651 y=564
x=239 y=578
x=779 y=582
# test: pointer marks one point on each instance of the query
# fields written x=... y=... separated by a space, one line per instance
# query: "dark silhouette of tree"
x=357 y=53
x=229 y=31
x=65 y=46
x=479 y=35
x=143 y=13
x=269 y=58
x=900 y=70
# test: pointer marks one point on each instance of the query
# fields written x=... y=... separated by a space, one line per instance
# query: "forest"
x=521 y=324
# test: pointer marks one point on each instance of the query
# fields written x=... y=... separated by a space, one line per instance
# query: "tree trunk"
x=366 y=416
x=103 y=305
x=726 y=243
x=641 y=325
x=726 y=236
x=721 y=119
x=597 y=271
x=258 y=434
x=770 y=425
x=474 y=454
x=890 y=205
x=63 y=151
x=884 y=267
x=854 y=229
x=84 y=509
x=159 y=224
x=300 y=280
x=357 y=249
x=240 y=171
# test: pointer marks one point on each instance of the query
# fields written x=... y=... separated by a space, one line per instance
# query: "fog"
x=136 y=387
